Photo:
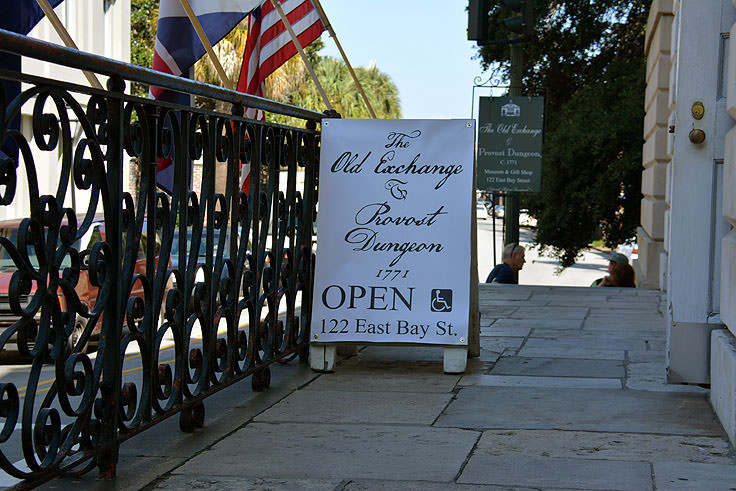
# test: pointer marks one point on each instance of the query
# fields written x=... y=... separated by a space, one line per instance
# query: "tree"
x=143 y=19
x=298 y=89
x=588 y=61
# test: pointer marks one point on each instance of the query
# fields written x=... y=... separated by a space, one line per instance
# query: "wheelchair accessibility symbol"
x=441 y=300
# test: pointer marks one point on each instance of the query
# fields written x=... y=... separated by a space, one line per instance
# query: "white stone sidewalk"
x=569 y=393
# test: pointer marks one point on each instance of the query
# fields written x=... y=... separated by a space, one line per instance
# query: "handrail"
x=12 y=42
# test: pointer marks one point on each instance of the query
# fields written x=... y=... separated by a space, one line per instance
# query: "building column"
x=655 y=158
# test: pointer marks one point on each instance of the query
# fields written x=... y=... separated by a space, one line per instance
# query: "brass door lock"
x=698 y=110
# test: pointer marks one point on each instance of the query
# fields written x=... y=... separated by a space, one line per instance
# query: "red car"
x=85 y=290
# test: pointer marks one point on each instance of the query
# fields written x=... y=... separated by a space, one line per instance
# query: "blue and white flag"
x=21 y=15
x=18 y=16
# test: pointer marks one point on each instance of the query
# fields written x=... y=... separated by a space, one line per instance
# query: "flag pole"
x=328 y=26
x=298 y=45
x=206 y=43
x=68 y=41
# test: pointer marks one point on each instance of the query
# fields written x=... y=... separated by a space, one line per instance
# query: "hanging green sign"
x=510 y=131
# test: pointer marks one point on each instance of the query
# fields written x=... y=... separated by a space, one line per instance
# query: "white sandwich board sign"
x=393 y=232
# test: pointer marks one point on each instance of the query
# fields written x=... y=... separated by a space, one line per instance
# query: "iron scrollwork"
x=227 y=314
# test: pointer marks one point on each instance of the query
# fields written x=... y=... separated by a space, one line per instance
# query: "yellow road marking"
x=22 y=393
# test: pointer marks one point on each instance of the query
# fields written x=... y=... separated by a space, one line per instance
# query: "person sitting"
x=614 y=258
x=508 y=271
x=621 y=276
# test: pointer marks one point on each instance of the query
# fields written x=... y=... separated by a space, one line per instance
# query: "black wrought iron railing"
x=236 y=301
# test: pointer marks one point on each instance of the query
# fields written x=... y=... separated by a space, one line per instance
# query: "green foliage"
x=341 y=91
x=143 y=18
x=290 y=83
x=588 y=61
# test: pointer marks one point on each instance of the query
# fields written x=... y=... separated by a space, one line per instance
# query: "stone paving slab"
x=162 y=448
x=573 y=352
x=558 y=473
x=586 y=342
x=539 y=323
x=637 y=356
x=559 y=367
x=647 y=371
x=386 y=356
x=489 y=358
x=542 y=332
x=327 y=452
x=688 y=475
x=651 y=386
x=646 y=341
x=573 y=313
x=247 y=484
x=618 y=325
x=131 y=473
x=401 y=379
x=425 y=486
x=643 y=306
x=628 y=319
x=611 y=339
x=499 y=344
x=487 y=291
x=499 y=309
x=624 y=330
x=605 y=446
x=493 y=330
x=522 y=381
x=237 y=484
x=583 y=410
x=332 y=406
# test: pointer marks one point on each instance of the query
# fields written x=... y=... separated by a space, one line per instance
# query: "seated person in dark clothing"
x=508 y=271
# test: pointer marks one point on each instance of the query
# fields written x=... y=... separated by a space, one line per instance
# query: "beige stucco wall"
x=655 y=158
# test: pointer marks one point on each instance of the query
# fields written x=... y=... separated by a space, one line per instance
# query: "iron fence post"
x=113 y=320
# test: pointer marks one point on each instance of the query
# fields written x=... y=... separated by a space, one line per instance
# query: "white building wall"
x=695 y=225
x=698 y=57
x=698 y=262
x=97 y=26
x=728 y=251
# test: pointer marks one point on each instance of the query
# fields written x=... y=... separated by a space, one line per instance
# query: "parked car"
x=86 y=292
x=526 y=219
x=202 y=253
x=629 y=249
x=480 y=212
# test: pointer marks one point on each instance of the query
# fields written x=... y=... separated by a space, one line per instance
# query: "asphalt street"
x=539 y=269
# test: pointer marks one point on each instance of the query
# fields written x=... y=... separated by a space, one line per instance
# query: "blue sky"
x=421 y=44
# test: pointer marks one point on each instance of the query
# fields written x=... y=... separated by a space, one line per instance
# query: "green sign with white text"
x=510 y=131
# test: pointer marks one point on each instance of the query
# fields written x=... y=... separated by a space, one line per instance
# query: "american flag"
x=269 y=45
x=178 y=48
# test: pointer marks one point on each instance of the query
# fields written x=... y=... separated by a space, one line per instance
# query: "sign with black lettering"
x=510 y=131
x=393 y=231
